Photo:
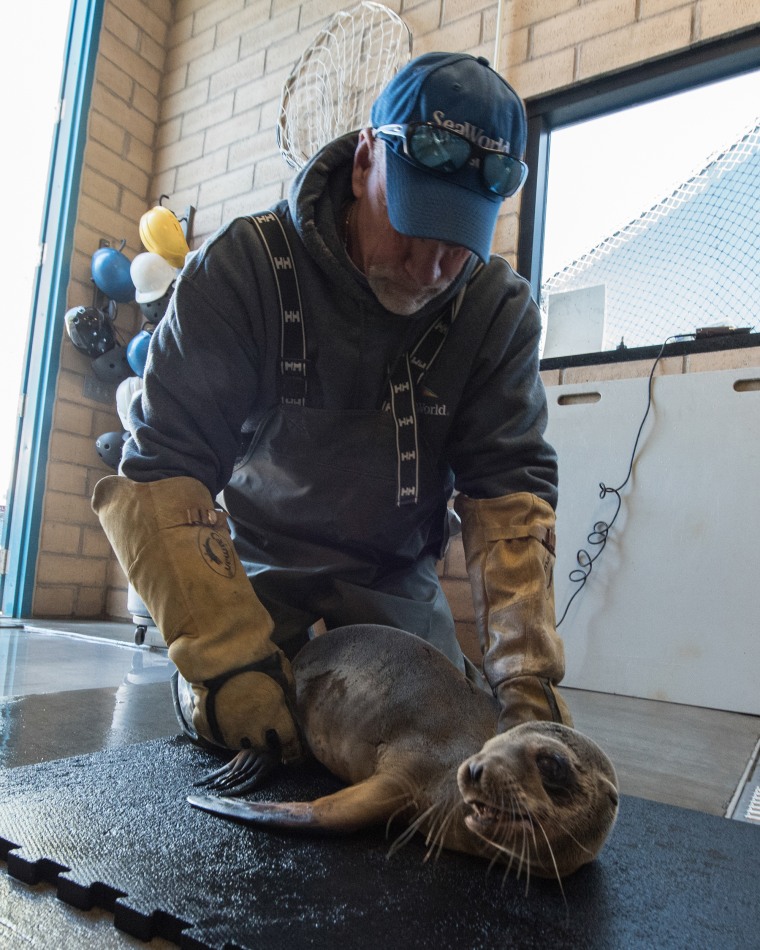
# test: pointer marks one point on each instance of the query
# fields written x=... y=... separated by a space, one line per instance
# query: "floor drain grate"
x=745 y=804
x=753 y=809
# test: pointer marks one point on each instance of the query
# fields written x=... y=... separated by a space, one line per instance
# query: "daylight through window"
x=653 y=221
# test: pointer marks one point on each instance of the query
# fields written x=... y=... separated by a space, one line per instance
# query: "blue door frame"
x=21 y=530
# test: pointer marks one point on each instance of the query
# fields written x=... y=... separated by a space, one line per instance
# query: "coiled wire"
x=600 y=533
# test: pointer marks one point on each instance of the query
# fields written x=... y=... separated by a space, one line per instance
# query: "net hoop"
x=337 y=78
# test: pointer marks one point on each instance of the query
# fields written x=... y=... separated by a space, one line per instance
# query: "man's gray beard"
x=397 y=301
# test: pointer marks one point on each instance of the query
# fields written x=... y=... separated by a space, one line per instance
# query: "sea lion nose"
x=476 y=771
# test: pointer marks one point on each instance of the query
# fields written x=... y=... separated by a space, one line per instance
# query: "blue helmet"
x=111 y=273
x=137 y=352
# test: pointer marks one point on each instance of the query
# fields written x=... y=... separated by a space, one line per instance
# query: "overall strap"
x=402 y=392
x=407 y=375
x=292 y=379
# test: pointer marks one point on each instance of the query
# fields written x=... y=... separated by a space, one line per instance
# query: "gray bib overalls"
x=341 y=515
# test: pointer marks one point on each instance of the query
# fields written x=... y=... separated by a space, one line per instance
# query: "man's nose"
x=425 y=260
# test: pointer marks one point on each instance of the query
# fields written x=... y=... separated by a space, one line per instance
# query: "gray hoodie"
x=212 y=370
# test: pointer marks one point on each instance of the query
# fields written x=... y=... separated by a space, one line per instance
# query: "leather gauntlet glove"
x=176 y=550
x=509 y=550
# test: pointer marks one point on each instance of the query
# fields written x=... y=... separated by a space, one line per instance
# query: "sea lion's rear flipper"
x=358 y=806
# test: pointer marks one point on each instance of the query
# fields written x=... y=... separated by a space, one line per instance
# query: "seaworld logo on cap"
x=471 y=132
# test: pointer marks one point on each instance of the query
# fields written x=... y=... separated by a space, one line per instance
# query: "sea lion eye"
x=554 y=770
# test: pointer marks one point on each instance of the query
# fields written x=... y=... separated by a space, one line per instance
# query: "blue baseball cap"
x=461 y=93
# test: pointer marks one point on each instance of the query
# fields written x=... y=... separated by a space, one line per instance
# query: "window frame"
x=20 y=536
x=688 y=69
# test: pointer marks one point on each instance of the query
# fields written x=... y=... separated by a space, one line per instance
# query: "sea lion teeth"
x=485 y=812
x=490 y=815
x=393 y=718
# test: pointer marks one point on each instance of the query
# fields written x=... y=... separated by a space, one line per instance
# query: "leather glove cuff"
x=509 y=549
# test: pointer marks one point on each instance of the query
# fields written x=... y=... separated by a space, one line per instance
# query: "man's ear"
x=363 y=160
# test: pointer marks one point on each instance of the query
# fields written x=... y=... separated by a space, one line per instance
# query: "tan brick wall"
x=75 y=572
x=185 y=103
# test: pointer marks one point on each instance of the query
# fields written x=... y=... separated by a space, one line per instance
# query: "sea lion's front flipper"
x=370 y=802
x=277 y=814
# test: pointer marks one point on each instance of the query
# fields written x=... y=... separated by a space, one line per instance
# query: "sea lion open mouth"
x=483 y=816
x=485 y=812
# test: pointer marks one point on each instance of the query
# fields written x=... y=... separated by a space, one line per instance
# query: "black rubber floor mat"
x=113 y=830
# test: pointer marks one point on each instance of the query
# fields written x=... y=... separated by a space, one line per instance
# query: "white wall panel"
x=671 y=608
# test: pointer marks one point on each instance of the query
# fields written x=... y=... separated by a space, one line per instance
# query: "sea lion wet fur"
x=414 y=739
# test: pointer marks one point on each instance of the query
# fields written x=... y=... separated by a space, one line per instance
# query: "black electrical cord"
x=601 y=530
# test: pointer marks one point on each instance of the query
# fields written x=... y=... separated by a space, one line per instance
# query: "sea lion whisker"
x=554 y=863
x=432 y=813
x=525 y=860
x=420 y=818
x=438 y=840
x=575 y=840
x=523 y=854
x=434 y=827
x=407 y=802
x=512 y=858
x=501 y=849
x=398 y=843
x=404 y=806
x=410 y=830
x=514 y=854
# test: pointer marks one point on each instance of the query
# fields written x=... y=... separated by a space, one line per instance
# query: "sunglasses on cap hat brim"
x=443 y=150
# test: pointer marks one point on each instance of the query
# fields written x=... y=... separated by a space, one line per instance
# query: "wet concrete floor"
x=64 y=695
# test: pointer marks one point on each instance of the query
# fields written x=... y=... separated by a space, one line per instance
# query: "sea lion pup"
x=413 y=738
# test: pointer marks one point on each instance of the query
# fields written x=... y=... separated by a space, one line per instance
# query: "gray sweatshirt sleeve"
x=203 y=372
x=497 y=444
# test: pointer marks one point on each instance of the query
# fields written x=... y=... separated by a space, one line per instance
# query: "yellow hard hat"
x=161 y=233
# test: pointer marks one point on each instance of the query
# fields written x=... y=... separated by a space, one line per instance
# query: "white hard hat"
x=152 y=276
x=124 y=393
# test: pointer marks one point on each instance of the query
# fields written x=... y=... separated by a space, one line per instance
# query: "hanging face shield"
x=90 y=330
